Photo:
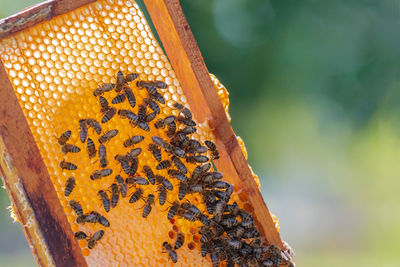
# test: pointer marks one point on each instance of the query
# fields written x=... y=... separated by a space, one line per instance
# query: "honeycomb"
x=54 y=68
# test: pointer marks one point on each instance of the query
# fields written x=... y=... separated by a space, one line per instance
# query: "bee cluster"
x=228 y=233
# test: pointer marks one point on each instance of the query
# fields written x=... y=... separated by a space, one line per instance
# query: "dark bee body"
x=144 y=126
x=167 y=184
x=83 y=130
x=178 y=175
x=149 y=117
x=204 y=249
x=65 y=165
x=165 y=164
x=62 y=140
x=178 y=106
x=108 y=115
x=122 y=185
x=124 y=113
x=172 y=210
x=76 y=207
x=197 y=159
x=171 y=252
x=95 y=125
x=104 y=198
x=179 y=164
x=103 y=104
x=134 y=153
x=158 y=97
x=134 y=166
x=133 y=140
x=180 y=239
x=103 y=156
x=92 y=241
x=68 y=148
x=186 y=112
x=155 y=151
x=153 y=105
x=120 y=81
x=159 y=124
x=80 y=235
x=147 y=209
x=211 y=146
x=189 y=130
x=114 y=195
x=162 y=195
x=69 y=186
x=108 y=136
x=100 y=174
x=187 y=122
x=91 y=148
x=136 y=180
x=214 y=259
x=118 y=99
x=136 y=195
x=130 y=96
x=182 y=191
x=149 y=174
x=141 y=112
x=131 y=77
x=124 y=163
x=178 y=152
x=171 y=129
x=104 y=88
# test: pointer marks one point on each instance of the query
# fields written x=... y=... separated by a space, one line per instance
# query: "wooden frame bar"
x=188 y=64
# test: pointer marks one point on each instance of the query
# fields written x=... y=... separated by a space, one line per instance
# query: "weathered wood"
x=38 y=13
x=189 y=66
x=26 y=177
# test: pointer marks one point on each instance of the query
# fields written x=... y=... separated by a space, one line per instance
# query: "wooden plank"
x=38 y=13
x=188 y=64
x=23 y=165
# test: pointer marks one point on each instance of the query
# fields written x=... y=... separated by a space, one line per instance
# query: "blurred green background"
x=314 y=91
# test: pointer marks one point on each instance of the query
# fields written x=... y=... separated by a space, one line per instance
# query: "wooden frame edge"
x=25 y=167
x=38 y=13
x=188 y=64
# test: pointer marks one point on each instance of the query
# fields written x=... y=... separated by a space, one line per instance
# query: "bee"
x=133 y=140
x=173 y=210
x=120 y=81
x=130 y=96
x=195 y=188
x=76 y=207
x=114 y=195
x=251 y=233
x=198 y=159
x=165 y=164
x=147 y=209
x=118 y=99
x=189 y=216
x=162 y=195
x=141 y=112
x=196 y=173
x=65 y=165
x=124 y=113
x=80 y=235
x=83 y=130
x=182 y=191
x=149 y=117
x=247 y=219
x=232 y=208
x=103 y=104
x=204 y=220
x=108 y=115
x=160 y=84
x=178 y=152
x=91 y=148
x=131 y=77
x=211 y=146
x=124 y=163
x=69 y=186
x=189 y=130
x=179 y=164
x=187 y=122
x=136 y=180
x=159 y=141
x=155 y=151
x=229 y=222
x=103 y=156
x=62 y=140
x=134 y=166
x=180 y=239
x=160 y=123
x=194 y=210
x=68 y=148
x=104 y=198
x=171 y=252
x=134 y=153
x=92 y=241
x=149 y=174
x=153 y=105
x=100 y=174
x=136 y=195
x=186 y=112
x=166 y=183
x=178 y=175
x=207 y=236
x=104 y=88
x=144 y=126
x=205 y=247
x=201 y=149
x=178 y=106
x=122 y=185
x=268 y=263
x=158 y=97
x=95 y=125
x=108 y=136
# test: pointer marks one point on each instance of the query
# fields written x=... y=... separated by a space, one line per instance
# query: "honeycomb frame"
x=196 y=84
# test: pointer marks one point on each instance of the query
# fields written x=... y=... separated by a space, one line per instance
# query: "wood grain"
x=38 y=13
x=31 y=173
x=188 y=64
